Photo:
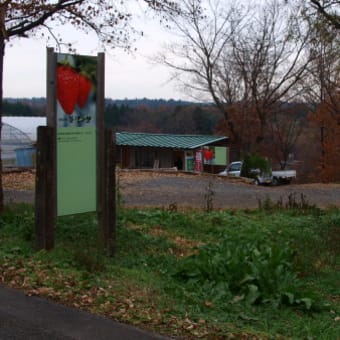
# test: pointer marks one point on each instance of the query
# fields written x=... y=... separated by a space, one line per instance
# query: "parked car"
x=260 y=177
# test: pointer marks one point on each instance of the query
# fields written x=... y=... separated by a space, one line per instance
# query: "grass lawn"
x=272 y=273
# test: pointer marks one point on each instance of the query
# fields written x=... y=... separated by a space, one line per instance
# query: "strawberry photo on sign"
x=76 y=85
x=67 y=88
x=83 y=90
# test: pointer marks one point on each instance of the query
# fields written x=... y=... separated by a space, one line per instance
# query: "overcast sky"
x=126 y=76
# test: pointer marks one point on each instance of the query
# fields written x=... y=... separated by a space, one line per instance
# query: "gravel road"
x=162 y=189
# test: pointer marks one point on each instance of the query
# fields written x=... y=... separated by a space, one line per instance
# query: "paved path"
x=34 y=318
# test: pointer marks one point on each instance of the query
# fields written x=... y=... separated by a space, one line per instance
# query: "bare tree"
x=110 y=20
x=322 y=85
x=322 y=93
x=203 y=35
x=284 y=129
x=269 y=57
x=330 y=10
x=247 y=60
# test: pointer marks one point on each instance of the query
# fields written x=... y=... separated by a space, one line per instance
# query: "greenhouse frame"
x=18 y=138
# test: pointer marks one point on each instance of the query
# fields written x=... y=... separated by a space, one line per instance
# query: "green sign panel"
x=220 y=155
x=76 y=169
x=76 y=134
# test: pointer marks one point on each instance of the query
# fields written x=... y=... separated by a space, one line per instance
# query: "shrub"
x=253 y=162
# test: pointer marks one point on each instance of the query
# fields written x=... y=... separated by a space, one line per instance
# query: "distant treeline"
x=24 y=107
x=140 y=115
x=150 y=103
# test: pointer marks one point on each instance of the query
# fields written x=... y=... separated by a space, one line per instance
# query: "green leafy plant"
x=254 y=272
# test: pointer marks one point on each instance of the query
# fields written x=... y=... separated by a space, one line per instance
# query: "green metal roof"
x=166 y=140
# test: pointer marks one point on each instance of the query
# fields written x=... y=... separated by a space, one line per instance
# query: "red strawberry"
x=85 y=86
x=67 y=88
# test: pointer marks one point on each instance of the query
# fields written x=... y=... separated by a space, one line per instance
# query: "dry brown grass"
x=21 y=180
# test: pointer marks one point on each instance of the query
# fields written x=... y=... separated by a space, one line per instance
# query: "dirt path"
x=160 y=189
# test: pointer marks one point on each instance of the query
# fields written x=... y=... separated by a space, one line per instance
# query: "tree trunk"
x=2 y=53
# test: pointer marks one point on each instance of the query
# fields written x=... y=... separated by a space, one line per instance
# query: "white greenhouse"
x=18 y=138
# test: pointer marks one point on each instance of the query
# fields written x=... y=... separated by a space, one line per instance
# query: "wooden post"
x=51 y=96
x=106 y=208
x=109 y=207
x=100 y=148
x=45 y=188
x=106 y=186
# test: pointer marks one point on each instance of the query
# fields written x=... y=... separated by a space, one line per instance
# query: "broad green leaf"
x=290 y=297
x=253 y=294
x=247 y=278
x=307 y=302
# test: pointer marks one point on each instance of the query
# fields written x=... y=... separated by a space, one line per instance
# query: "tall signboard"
x=75 y=153
x=76 y=84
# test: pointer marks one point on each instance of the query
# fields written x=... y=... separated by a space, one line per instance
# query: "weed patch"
x=294 y=202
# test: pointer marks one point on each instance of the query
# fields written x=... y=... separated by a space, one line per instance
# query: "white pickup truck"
x=283 y=176
x=274 y=178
